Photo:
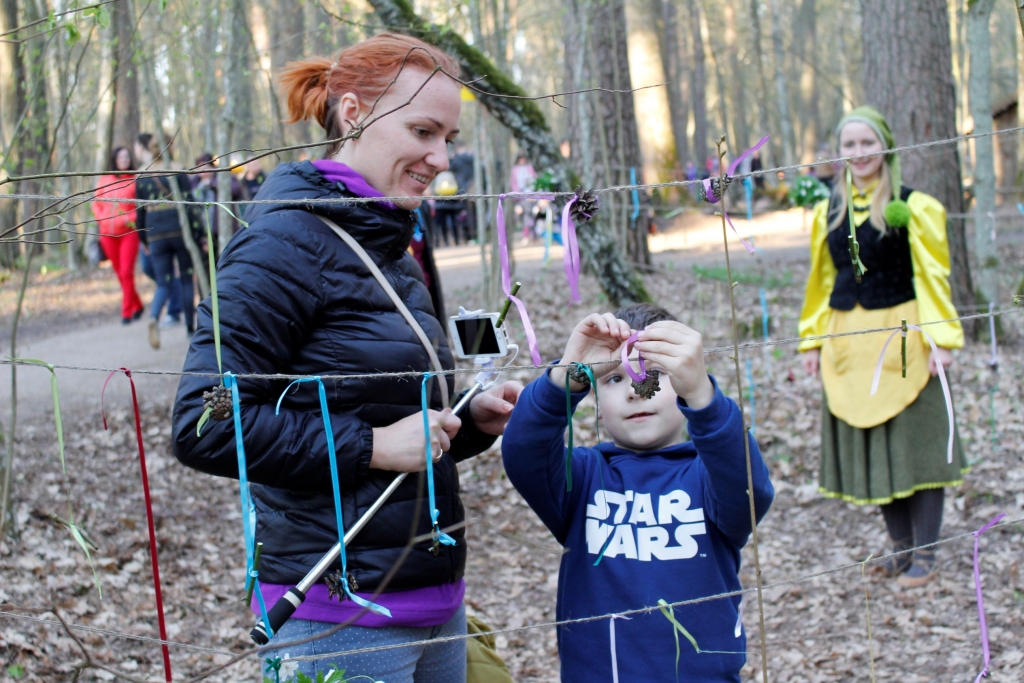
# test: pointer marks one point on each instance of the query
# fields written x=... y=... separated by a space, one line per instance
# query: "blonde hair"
x=883 y=193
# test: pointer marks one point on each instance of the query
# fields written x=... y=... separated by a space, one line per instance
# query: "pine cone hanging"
x=719 y=186
x=585 y=206
x=218 y=400
x=648 y=387
x=335 y=588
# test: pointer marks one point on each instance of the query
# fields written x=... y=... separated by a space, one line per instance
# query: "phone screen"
x=477 y=336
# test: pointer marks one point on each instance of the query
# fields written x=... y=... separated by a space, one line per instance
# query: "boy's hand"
x=595 y=339
x=677 y=351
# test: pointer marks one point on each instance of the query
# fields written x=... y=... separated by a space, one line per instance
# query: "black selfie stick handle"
x=278 y=615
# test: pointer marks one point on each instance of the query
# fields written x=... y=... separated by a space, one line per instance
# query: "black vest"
x=889 y=279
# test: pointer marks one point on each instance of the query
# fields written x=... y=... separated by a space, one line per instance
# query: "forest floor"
x=810 y=548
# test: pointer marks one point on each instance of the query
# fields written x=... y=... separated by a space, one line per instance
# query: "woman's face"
x=858 y=138
x=402 y=152
x=123 y=160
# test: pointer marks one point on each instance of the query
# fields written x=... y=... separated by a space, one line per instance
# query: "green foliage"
x=807 y=191
x=746 y=277
x=72 y=33
x=545 y=182
x=100 y=14
x=16 y=671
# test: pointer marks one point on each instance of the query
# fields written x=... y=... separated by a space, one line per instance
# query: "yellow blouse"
x=929 y=253
x=848 y=363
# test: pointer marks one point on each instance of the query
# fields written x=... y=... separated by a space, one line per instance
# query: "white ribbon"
x=611 y=635
x=942 y=380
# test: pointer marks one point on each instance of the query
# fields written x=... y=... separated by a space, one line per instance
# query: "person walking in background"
x=446 y=211
x=160 y=229
x=462 y=166
x=115 y=223
x=889 y=449
x=173 y=315
x=204 y=189
x=522 y=180
x=253 y=179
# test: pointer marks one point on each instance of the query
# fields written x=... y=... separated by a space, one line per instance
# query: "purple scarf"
x=354 y=182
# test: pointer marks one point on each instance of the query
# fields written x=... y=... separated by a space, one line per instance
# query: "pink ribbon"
x=506 y=278
x=981 y=600
x=994 y=360
x=611 y=638
x=625 y=359
x=709 y=196
x=570 y=252
x=942 y=380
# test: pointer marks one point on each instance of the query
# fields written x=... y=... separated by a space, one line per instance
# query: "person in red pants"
x=116 y=224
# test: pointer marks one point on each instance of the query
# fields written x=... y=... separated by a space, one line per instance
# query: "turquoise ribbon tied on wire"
x=332 y=458
x=248 y=509
x=435 y=530
x=635 y=195
x=568 y=416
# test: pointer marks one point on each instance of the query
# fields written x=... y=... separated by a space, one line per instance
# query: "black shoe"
x=138 y=314
x=126 y=321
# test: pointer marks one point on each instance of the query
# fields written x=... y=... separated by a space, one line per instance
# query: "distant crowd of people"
x=151 y=231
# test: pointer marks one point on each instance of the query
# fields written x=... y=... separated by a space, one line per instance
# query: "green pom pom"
x=897 y=214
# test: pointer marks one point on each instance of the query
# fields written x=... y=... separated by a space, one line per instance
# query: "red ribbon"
x=149 y=515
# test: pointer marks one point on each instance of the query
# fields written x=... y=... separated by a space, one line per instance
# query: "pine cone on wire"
x=585 y=206
x=335 y=588
x=648 y=387
x=719 y=186
x=218 y=400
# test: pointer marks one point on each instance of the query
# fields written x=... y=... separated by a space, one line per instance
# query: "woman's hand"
x=939 y=355
x=491 y=409
x=399 y=447
x=595 y=339
x=809 y=359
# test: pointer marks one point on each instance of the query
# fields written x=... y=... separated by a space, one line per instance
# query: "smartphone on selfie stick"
x=477 y=335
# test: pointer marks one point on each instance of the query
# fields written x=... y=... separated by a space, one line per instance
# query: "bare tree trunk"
x=287 y=43
x=742 y=129
x=127 y=121
x=211 y=93
x=806 y=39
x=781 y=91
x=979 y=41
x=237 y=45
x=903 y=37
x=12 y=110
x=525 y=121
x=767 y=155
x=671 y=58
x=698 y=89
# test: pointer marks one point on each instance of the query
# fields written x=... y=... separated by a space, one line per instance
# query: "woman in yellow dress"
x=879 y=255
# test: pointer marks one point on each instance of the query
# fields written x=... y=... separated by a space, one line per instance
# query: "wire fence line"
x=10 y=611
x=506 y=195
x=409 y=374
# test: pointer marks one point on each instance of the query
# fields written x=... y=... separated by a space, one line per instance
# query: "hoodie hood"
x=374 y=226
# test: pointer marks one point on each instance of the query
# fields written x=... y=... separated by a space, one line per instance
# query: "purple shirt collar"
x=337 y=172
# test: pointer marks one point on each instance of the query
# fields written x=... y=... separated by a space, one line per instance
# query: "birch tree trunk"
x=126 y=121
x=523 y=118
x=671 y=58
x=767 y=152
x=979 y=84
x=903 y=37
x=781 y=91
x=236 y=48
x=739 y=102
x=698 y=88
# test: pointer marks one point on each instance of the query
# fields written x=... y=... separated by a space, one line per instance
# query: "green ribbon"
x=69 y=523
x=858 y=266
x=568 y=416
x=215 y=307
x=677 y=628
x=274 y=664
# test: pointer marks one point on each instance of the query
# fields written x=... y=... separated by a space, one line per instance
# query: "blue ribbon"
x=748 y=193
x=248 y=509
x=332 y=458
x=636 y=197
x=435 y=531
x=764 y=314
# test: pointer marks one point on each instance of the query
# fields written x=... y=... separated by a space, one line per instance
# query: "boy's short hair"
x=639 y=316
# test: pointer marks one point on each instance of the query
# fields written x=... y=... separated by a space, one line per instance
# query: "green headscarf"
x=897 y=212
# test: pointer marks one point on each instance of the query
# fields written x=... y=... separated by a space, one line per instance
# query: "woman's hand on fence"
x=399 y=447
x=491 y=409
x=940 y=355
x=809 y=359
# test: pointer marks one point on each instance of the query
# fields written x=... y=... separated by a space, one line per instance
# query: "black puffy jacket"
x=294 y=299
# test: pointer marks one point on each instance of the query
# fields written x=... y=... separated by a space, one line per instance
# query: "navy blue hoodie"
x=677 y=518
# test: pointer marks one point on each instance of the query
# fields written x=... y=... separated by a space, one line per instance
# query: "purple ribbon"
x=571 y=252
x=506 y=281
x=981 y=600
x=625 y=360
x=709 y=196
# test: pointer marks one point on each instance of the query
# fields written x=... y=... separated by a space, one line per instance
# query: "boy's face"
x=636 y=423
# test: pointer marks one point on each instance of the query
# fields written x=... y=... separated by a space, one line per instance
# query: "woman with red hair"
x=115 y=223
x=296 y=300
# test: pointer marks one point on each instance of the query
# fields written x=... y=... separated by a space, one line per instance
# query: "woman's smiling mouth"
x=425 y=180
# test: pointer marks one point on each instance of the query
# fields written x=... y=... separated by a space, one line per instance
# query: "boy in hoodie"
x=646 y=516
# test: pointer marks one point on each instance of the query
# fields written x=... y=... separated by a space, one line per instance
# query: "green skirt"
x=893 y=460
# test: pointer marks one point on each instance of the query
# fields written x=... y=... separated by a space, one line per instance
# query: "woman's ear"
x=349 y=112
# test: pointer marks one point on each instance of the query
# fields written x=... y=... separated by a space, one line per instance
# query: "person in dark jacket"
x=159 y=227
x=295 y=299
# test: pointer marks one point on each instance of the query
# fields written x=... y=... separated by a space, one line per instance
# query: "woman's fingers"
x=448 y=422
